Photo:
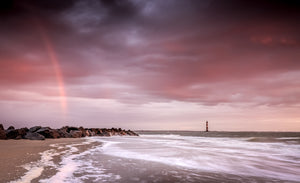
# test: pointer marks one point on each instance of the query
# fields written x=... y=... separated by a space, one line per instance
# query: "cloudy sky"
x=161 y=64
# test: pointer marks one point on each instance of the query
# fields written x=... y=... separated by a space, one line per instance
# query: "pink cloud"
x=191 y=53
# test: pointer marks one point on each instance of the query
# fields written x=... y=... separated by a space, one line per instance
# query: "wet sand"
x=15 y=153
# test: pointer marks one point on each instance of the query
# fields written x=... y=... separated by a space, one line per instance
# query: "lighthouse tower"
x=206 y=126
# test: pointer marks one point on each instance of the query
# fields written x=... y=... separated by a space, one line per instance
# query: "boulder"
x=94 y=131
x=113 y=131
x=22 y=132
x=123 y=132
x=87 y=133
x=45 y=131
x=82 y=131
x=55 y=134
x=2 y=134
x=48 y=132
x=34 y=136
x=69 y=129
x=63 y=133
x=12 y=134
x=76 y=133
x=34 y=129
x=1 y=127
x=97 y=131
x=64 y=128
x=106 y=133
x=11 y=128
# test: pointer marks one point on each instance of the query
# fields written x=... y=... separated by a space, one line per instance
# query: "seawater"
x=164 y=156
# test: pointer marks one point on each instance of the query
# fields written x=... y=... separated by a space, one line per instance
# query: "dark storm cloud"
x=267 y=9
x=199 y=51
x=10 y=8
x=119 y=10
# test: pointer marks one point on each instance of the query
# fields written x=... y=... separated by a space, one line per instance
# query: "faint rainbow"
x=56 y=66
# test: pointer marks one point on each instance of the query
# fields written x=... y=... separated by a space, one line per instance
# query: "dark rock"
x=45 y=131
x=123 y=132
x=1 y=127
x=106 y=133
x=113 y=131
x=2 y=134
x=48 y=132
x=92 y=133
x=34 y=136
x=76 y=133
x=100 y=132
x=12 y=134
x=64 y=128
x=63 y=133
x=55 y=134
x=88 y=133
x=22 y=132
x=34 y=129
x=83 y=133
x=11 y=128
x=69 y=129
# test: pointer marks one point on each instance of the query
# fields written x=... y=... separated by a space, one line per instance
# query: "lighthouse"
x=206 y=126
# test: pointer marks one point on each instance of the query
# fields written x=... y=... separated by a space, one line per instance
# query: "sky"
x=151 y=65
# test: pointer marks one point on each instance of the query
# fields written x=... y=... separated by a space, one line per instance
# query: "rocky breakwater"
x=42 y=133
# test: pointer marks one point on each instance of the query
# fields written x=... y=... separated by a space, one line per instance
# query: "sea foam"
x=235 y=156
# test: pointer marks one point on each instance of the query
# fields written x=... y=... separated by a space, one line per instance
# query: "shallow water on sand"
x=177 y=158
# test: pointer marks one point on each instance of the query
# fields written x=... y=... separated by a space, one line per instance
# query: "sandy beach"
x=15 y=153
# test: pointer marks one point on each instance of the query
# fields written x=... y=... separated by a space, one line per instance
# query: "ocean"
x=172 y=156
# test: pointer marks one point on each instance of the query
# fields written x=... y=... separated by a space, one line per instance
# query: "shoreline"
x=14 y=154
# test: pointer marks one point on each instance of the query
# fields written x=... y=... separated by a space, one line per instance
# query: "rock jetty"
x=42 y=133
